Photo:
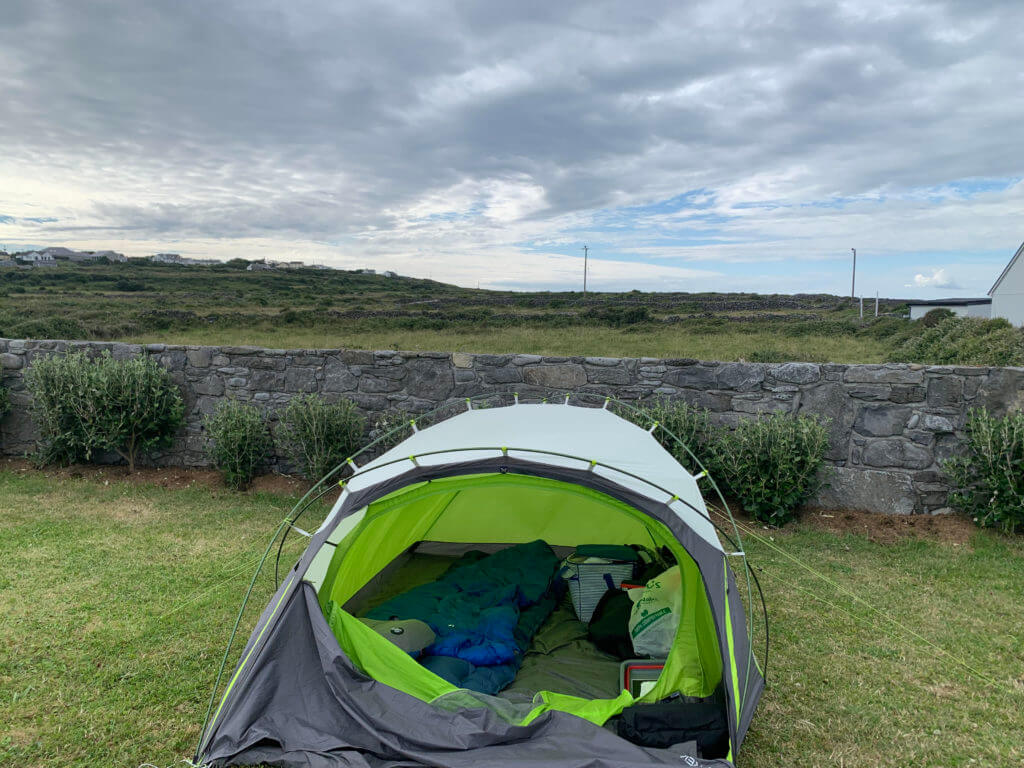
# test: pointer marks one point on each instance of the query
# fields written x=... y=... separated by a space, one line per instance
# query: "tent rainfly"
x=317 y=687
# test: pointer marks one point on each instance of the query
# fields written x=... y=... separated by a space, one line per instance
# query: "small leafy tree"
x=318 y=435
x=139 y=407
x=85 y=406
x=988 y=479
x=771 y=464
x=59 y=386
x=239 y=441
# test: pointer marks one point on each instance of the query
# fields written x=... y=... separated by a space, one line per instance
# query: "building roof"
x=1016 y=257
x=948 y=302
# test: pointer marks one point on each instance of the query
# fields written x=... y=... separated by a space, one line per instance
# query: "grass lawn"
x=117 y=600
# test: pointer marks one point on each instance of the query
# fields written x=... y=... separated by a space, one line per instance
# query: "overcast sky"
x=694 y=146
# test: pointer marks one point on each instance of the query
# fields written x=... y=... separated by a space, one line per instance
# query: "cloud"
x=937 y=279
x=773 y=135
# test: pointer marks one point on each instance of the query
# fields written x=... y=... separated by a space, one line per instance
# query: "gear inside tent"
x=446 y=612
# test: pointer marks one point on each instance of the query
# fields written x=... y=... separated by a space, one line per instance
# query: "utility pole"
x=853 y=280
x=586 y=250
x=876 y=303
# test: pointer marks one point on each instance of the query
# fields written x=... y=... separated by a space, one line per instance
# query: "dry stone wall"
x=890 y=425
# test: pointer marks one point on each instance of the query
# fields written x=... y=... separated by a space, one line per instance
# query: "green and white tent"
x=309 y=693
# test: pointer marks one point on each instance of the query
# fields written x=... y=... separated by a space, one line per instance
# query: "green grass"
x=117 y=601
x=665 y=342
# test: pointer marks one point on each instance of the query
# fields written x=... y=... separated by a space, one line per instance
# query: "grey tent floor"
x=561 y=659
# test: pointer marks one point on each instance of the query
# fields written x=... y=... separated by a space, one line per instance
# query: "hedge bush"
x=84 y=406
x=690 y=424
x=963 y=341
x=988 y=479
x=318 y=435
x=239 y=441
x=396 y=419
x=771 y=464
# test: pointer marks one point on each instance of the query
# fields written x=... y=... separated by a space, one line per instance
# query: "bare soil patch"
x=955 y=530
x=888 y=529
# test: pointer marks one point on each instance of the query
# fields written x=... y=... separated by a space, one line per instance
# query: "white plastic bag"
x=655 y=616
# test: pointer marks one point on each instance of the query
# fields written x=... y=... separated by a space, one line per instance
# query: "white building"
x=959 y=307
x=38 y=259
x=166 y=258
x=182 y=261
x=1008 y=292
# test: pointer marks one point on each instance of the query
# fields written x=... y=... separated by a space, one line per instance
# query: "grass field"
x=331 y=308
x=117 y=600
x=666 y=342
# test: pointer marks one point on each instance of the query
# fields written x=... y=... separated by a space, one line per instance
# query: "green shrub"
x=393 y=419
x=771 y=464
x=768 y=355
x=690 y=424
x=84 y=406
x=988 y=479
x=319 y=435
x=239 y=441
x=964 y=341
x=935 y=316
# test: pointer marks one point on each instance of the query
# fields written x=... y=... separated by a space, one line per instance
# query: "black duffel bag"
x=678 y=720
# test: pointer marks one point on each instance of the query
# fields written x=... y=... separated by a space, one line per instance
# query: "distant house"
x=59 y=252
x=1008 y=292
x=389 y=273
x=38 y=259
x=962 y=307
x=181 y=261
x=166 y=258
x=94 y=255
x=260 y=266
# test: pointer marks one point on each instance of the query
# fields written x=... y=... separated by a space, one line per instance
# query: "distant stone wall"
x=890 y=425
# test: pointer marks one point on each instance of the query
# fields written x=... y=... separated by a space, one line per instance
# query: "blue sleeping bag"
x=485 y=610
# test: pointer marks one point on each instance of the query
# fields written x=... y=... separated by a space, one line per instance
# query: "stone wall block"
x=830 y=401
x=692 y=377
x=558 y=376
x=890 y=493
x=796 y=373
x=337 y=377
x=945 y=390
x=200 y=357
x=272 y=381
x=429 y=379
x=907 y=393
x=210 y=385
x=893 y=452
x=508 y=374
x=882 y=420
x=606 y=375
x=301 y=379
x=885 y=374
x=741 y=376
